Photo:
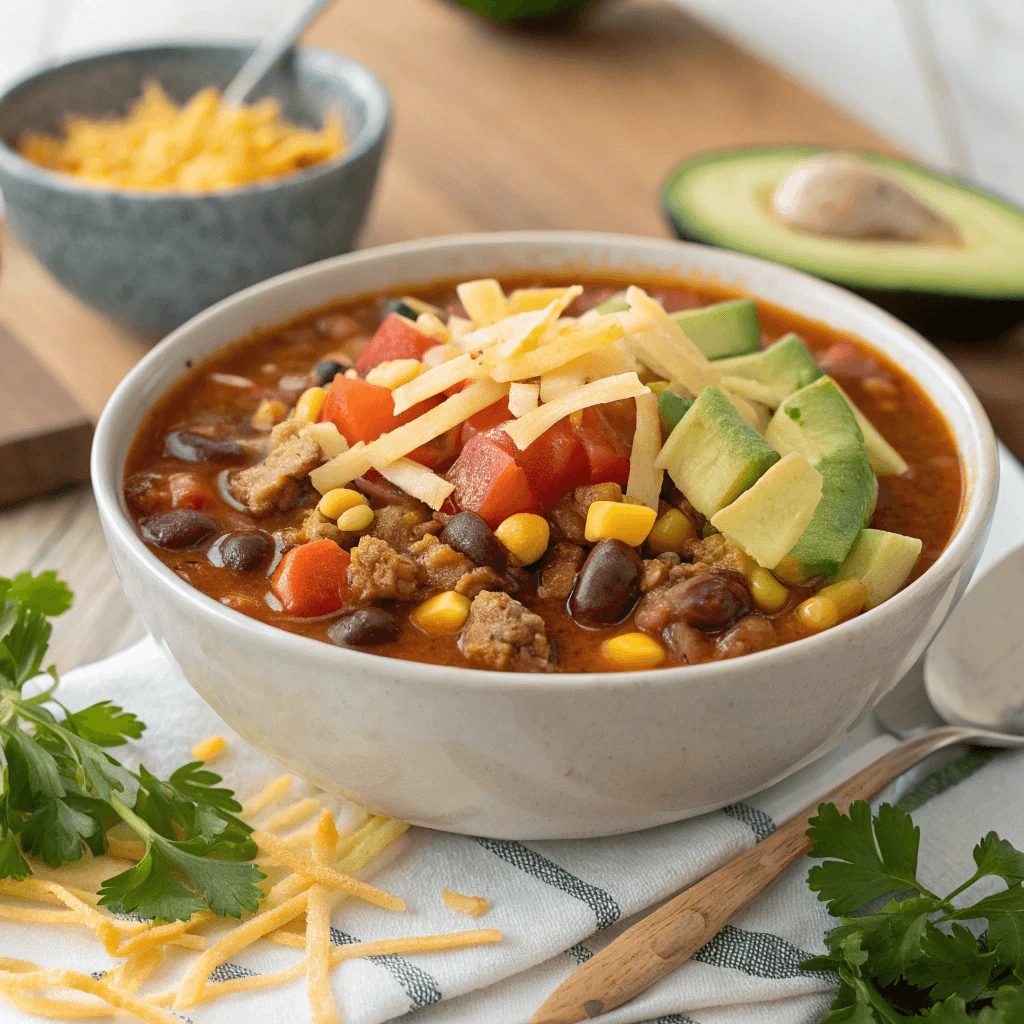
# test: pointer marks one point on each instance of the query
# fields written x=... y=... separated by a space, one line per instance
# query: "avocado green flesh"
x=817 y=422
x=724 y=329
x=785 y=366
x=672 y=408
x=882 y=561
x=724 y=199
x=713 y=455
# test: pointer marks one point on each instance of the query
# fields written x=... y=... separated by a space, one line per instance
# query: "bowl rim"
x=976 y=511
x=364 y=80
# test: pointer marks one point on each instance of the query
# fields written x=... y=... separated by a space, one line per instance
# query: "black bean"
x=397 y=306
x=608 y=585
x=364 y=628
x=709 y=602
x=191 y=447
x=469 y=533
x=180 y=529
x=243 y=552
x=325 y=371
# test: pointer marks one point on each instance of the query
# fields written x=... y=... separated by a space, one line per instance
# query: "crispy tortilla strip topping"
x=418 y=481
x=342 y=469
x=318 y=929
x=526 y=430
x=436 y=380
x=645 y=479
x=483 y=301
x=269 y=794
x=566 y=347
x=525 y=300
x=433 y=423
x=523 y=398
x=472 y=905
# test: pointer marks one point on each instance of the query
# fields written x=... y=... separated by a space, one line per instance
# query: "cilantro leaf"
x=1006 y=939
x=893 y=938
x=45 y=593
x=55 y=830
x=36 y=768
x=150 y=890
x=951 y=965
x=12 y=863
x=995 y=856
x=873 y=857
x=104 y=724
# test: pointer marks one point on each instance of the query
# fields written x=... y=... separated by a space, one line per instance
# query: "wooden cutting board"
x=44 y=433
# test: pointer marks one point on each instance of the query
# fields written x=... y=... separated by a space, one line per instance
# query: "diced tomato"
x=362 y=411
x=607 y=455
x=488 y=480
x=555 y=463
x=396 y=338
x=437 y=454
x=312 y=579
x=486 y=419
x=187 y=491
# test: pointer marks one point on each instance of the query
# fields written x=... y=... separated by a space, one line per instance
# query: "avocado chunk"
x=724 y=329
x=672 y=408
x=884 y=459
x=784 y=367
x=817 y=422
x=713 y=455
x=963 y=291
x=768 y=519
x=882 y=561
x=614 y=304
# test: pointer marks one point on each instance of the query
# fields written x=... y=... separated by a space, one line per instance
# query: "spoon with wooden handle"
x=664 y=940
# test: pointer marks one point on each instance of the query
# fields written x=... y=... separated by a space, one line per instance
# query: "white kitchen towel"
x=555 y=902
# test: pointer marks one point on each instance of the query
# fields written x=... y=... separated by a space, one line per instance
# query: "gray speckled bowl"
x=151 y=260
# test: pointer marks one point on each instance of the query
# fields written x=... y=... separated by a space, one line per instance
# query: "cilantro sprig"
x=913 y=959
x=62 y=790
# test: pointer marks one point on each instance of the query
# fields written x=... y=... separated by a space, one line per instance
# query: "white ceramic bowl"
x=537 y=756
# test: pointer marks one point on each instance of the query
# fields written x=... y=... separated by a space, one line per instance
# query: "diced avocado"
x=884 y=459
x=882 y=561
x=672 y=408
x=785 y=366
x=614 y=304
x=713 y=455
x=971 y=290
x=817 y=422
x=724 y=329
x=768 y=519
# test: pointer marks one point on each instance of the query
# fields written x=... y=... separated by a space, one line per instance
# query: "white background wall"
x=943 y=78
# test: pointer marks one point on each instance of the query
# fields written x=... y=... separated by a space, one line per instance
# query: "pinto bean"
x=192 y=447
x=751 y=634
x=367 y=627
x=710 y=602
x=243 y=552
x=183 y=528
x=469 y=533
x=607 y=586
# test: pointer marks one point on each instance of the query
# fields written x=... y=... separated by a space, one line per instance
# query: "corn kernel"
x=848 y=596
x=619 y=521
x=788 y=570
x=270 y=412
x=526 y=535
x=393 y=373
x=308 y=407
x=338 y=501
x=355 y=519
x=209 y=748
x=633 y=650
x=657 y=386
x=817 y=613
x=442 y=613
x=670 y=532
x=769 y=594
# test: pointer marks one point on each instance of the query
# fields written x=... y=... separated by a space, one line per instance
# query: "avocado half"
x=960 y=293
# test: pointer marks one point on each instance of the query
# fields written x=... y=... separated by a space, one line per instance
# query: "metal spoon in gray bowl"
x=973 y=674
x=270 y=51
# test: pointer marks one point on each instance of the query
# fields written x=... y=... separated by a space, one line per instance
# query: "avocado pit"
x=838 y=195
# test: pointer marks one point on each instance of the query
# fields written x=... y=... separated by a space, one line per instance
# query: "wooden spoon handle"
x=662 y=941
